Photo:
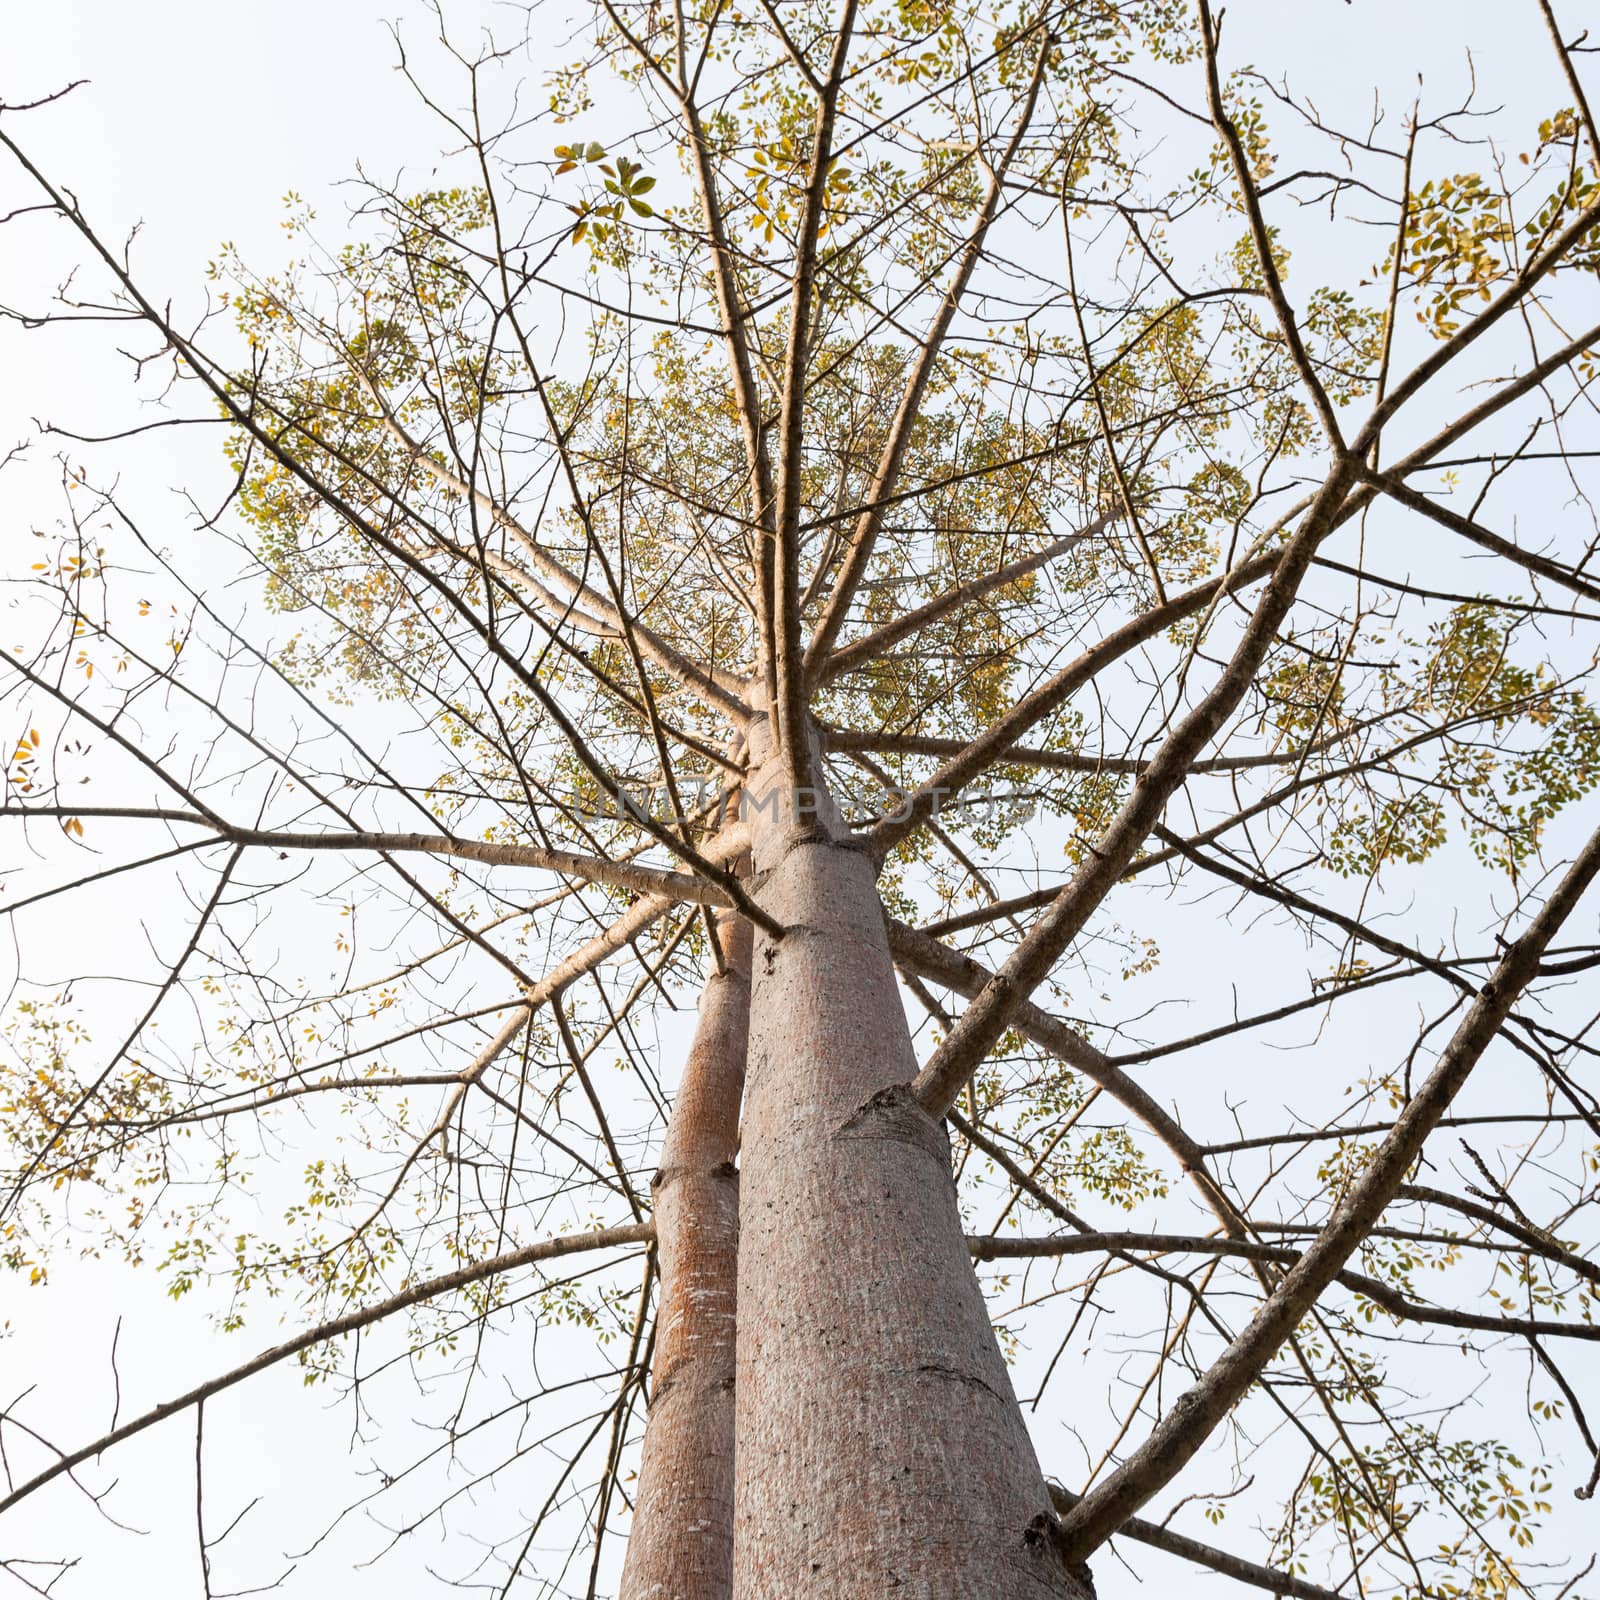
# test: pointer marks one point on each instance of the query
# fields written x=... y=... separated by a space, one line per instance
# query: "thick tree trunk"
x=681 y=1545
x=880 y=1449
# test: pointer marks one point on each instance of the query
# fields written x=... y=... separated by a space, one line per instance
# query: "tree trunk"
x=880 y=1448
x=681 y=1545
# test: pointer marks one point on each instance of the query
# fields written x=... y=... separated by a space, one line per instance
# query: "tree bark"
x=681 y=1544
x=880 y=1447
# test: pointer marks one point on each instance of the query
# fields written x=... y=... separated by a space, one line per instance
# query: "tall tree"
x=845 y=508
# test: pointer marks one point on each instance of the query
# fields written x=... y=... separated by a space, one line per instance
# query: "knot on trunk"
x=949 y=1374
x=799 y=835
x=729 y=974
x=665 y=1177
x=1043 y=1539
x=894 y=1113
x=793 y=935
x=812 y=832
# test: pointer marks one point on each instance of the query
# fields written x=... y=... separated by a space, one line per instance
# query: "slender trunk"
x=681 y=1546
x=880 y=1448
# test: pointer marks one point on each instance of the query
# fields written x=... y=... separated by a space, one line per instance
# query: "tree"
x=812 y=472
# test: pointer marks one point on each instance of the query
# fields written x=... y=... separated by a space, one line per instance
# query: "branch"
x=722 y=689
x=429 y=1289
x=997 y=739
x=1574 y=82
x=731 y=843
x=1187 y=1425
x=787 y=672
x=725 y=280
x=1537 y=1241
x=1261 y=236
x=676 y=886
x=1540 y=267
x=953 y=970
x=887 y=475
x=1205 y=1555
x=852 y=740
x=59 y=1126
x=989 y=1015
x=861 y=651
x=249 y=424
x=997 y=1247
x=1480 y=536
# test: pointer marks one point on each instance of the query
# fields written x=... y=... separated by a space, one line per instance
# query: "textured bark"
x=880 y=1447
x=681 y=1545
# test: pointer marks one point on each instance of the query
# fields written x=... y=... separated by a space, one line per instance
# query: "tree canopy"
x=1152 y=503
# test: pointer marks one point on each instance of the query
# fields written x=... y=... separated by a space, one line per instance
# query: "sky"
x=193 y=123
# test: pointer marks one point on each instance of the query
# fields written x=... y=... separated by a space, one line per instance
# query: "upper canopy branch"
x=720 y=688
x=885 y=478
x=786 y=674
x=381 y=539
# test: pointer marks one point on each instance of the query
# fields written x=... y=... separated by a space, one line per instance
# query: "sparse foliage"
x=1138 y=518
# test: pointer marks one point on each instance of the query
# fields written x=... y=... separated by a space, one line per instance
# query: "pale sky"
x=195 y=121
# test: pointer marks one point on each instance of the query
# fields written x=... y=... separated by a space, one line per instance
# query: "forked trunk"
x=880 y=1449
x=681 y=1546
